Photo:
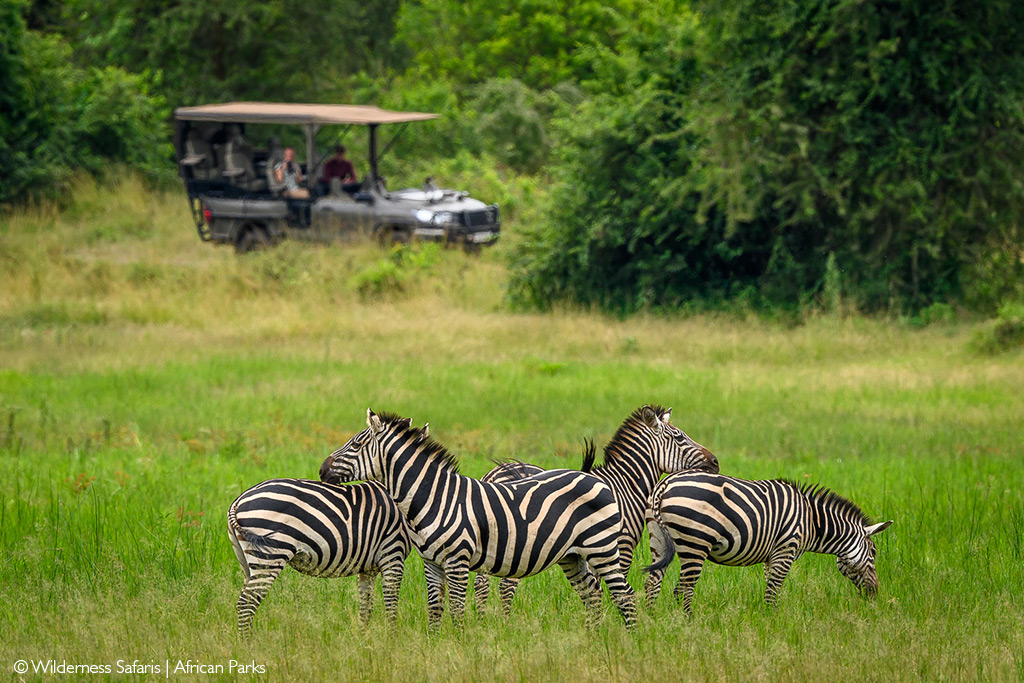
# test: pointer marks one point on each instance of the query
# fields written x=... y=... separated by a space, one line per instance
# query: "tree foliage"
x=216 y=50
x=621 y=230
x=887 y=136
x=55 y=117
x=539 y=42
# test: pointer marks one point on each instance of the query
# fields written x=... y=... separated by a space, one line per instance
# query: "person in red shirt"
x=339 y=167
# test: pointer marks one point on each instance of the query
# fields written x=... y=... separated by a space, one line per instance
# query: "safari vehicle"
x=235 y=197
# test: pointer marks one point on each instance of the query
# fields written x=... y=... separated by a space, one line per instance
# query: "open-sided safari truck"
x=236 y=199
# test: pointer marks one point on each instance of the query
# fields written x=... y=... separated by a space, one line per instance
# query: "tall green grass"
x=146 y=379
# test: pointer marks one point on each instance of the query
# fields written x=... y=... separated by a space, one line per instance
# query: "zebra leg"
x=622 y=592
x=366 y=595
x=391 y=583
x=481 y=588
x=261 y=578
x=690 y=565
x=775 y=571
x=435 y=594
x=652 y=587
x=457 y=573
x=507 y=590
x=585 y=584
x=625 y=560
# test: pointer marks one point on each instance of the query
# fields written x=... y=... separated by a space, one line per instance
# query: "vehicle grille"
x=481 y=217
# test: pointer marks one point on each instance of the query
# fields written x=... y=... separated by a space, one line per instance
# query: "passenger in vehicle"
x=289 y=174
x=339 y=167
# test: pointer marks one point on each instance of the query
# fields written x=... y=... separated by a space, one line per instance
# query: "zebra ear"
x=651 y=419
x=423 y=434
x=373 y=422
x=877 y=528
x=666 y=417
x=407 y=422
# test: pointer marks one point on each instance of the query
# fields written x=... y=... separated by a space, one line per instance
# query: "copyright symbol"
x=20 y=666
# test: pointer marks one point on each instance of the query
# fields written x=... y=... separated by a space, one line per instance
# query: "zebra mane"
x=613 y=449
x=827 y=497
x=432 y=449
x=513 y=465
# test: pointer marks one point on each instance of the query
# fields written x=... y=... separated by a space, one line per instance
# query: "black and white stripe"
x=321 y=530
x=504 y=473
x=459 y=524
x=740 y=523
x=644 y=447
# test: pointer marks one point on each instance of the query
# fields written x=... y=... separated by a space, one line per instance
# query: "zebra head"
x=359 y=459
x=857 y=562
x=673 y=449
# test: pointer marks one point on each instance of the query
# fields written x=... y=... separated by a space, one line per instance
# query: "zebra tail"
x=589 y=455
x=666 y=541
x=259 y=543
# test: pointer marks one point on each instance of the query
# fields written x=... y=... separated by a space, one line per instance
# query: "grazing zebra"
x=321 y=530
x=645 y=446
x=459 y=524
x=740 y=523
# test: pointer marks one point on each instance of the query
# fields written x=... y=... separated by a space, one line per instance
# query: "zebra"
x=504 y=473
x=644 y=447
x=737 y=522
x=320 y=530
x=459 y=524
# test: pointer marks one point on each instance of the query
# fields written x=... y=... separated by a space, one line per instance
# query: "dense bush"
x=55 y=117
x=1005 y=333
x=621 y=229
x=888 y=137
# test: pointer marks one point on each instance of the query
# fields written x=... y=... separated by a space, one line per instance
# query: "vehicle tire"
x=253 y=238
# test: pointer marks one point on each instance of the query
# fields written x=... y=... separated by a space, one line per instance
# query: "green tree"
x=540 y=42
x=742 y=158
x=215 y=50
x=621 y=230
x=55 y=117
x=889 y=134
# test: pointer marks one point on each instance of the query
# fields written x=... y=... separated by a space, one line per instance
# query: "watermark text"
x=167 y=668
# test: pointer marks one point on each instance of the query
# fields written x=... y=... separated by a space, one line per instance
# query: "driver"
x=339 y=167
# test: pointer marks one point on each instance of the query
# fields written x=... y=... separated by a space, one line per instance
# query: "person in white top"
x=289 y=174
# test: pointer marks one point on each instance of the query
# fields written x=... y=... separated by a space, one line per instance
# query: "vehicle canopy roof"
x=300 y=114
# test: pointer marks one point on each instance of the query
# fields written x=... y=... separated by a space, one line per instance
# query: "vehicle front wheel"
x=252 y=239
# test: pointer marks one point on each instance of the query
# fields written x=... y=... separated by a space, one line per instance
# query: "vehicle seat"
x=238 y=166
x=275 y=155
x=199 y=157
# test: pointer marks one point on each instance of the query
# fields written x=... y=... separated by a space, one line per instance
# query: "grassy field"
x=146 y=379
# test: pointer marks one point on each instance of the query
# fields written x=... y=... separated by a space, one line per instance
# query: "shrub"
x=1005 y=333
x=56 y=117
x=388 y=277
